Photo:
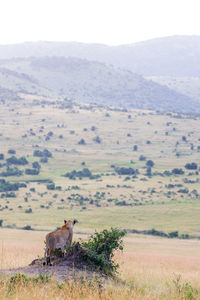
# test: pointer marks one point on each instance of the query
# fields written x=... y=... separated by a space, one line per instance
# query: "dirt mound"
x=70 y=267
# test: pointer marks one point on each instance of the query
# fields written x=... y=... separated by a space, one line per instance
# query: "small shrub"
x=173 y=234
x=120 y=203
x=36 y=165
x=177 y=171
x=97 y=140
x=27 y=227
x=50 y=133
x=167 y=173
x=183 y=191
x=8 y=195
x=126 y=171
x=44 y=160
x=28 y=211
x=32 y=171
x=51 y=186
x=11 y=151
x=184 y=139
x=99 y=249
x=6 y=186
x=149 y=163
x=84 y=173
x=44 y=153
x=82 y=142
x=135 y=148
x=11 y=172
x=192 y=166
x=17 y=161
x=142 y=158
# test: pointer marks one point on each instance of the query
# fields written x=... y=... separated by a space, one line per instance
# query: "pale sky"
x=111 y=22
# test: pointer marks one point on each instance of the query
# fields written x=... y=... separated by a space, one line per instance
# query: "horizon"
x=96 y=43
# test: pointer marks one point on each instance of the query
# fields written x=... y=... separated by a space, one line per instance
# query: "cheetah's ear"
x=75 y=221
x=65 y=221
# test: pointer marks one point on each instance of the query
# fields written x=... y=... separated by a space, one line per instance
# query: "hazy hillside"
x=189 y=86
x=7 y=94
x=19 y=82
x=169 y=56
x=89 y=81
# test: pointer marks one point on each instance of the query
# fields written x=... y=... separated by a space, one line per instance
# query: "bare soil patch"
x=70 y=267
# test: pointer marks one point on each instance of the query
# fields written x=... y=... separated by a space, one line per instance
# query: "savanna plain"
x=131 y=169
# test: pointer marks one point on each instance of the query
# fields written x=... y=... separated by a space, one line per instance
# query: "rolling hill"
x=90 y=82
x=177 y=56
x=189 y=86
x=170 y=61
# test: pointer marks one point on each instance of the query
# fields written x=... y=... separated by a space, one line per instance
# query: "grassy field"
x=129 y=201
x=150 y=267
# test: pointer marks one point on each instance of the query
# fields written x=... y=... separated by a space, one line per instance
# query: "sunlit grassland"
x=183 y=217
x=150 y=268
x=153 y=205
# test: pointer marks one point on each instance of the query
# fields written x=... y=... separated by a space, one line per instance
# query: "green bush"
x=173 y=234
x=28 y=211
x=126 y=171
x=32 y=171
x=84 y=173
x=192 y=166
x=11 y=151
x=135 y=148
x=51 y=186
x=97 y=139
x=17 y=161
x=8 y=195
x=6 y=186
x=149 y=163
x=142 y=158
x=11 y=172
x=27 y=227
x=44 y=153
x=100 y=249
x=82 y=142
x=36 y=165
x=44 y=160
x=177 y=171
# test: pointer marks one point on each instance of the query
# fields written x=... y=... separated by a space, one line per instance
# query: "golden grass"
x=70 y=291
x=18 y=248
x=150 y=268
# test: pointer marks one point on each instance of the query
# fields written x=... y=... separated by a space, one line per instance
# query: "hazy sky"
x=97 y=21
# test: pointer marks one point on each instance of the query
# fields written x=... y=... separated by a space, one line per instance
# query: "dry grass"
x=70 y=291
x=15 y=251
x=150 y=268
